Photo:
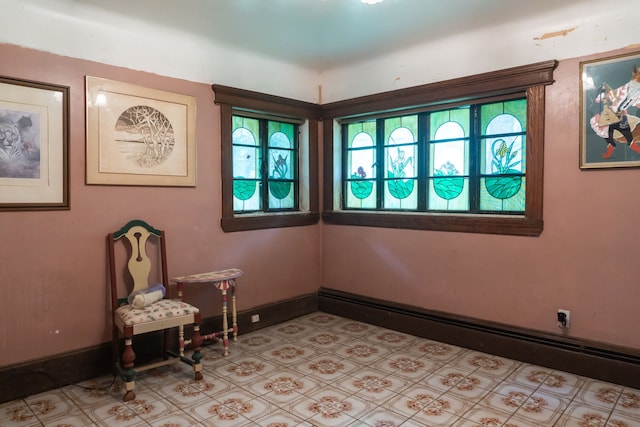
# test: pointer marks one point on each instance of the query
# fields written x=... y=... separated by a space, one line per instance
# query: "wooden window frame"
x=230 y=99
x=529 y=79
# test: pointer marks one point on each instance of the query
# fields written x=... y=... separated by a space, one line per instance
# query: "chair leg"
x=127 y=360
x=115 y=347
x=196 y=343
x=181 y=340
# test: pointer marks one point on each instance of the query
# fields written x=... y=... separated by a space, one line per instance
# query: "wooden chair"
x=162 y=315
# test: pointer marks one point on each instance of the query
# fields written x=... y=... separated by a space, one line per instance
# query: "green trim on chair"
x=134 y=223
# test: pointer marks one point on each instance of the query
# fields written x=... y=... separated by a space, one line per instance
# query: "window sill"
x=490 y=224
x=262 y=221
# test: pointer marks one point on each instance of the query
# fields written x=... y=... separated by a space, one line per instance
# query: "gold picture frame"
x=139 y=136
x=34 y=145
x=610 y=112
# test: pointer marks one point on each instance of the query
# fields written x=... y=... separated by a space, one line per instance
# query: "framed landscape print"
x=139 y=136
x=34 y=145
x=610 y=112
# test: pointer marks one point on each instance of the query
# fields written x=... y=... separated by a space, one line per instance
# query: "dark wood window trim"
x=228 y=99
x=530 y=79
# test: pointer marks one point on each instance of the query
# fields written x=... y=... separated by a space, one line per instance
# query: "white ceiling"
x=323 y=34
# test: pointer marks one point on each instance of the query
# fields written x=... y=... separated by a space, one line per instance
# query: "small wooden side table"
x=223 y=280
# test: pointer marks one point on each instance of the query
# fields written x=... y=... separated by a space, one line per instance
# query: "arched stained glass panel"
x=361 y=166
x=449 y=161
x=246 y=164
x=281 y=165
x=503 y=157
x=401 y=153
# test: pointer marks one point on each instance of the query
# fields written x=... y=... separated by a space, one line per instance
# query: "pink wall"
x=584 y=261
x=53 y=281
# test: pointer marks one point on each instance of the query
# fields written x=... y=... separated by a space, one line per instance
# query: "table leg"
x=225 y=324
x=234 y=314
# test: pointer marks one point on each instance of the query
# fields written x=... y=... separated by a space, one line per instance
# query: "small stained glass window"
x=265 y=165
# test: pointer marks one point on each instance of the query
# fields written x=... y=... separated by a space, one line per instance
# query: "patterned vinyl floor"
x=324 y=370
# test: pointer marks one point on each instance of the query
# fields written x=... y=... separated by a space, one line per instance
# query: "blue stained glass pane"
x=243 y=136
x=245 y=131
x=280 y=140
x=504 y=154
x=361 y=160
x=246 y=158
x=280 y=164
x=516 y=108
x=503 y=123
x=281 y=134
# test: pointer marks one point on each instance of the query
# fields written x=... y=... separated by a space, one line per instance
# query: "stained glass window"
x=466 y=159
x=265 y=165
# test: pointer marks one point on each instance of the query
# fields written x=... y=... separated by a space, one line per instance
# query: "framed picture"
x=139 y=136
x=34 y=145
x=610 y=112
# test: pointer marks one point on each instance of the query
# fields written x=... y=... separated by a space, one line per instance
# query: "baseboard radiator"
x=601 y=361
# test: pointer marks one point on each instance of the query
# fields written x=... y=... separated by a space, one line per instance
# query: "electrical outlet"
x=564 y=317
x=255 y=318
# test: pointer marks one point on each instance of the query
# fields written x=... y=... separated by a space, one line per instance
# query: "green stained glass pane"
x=279 y=189
x=244 y=189
x=448 y=188
x=516 y=108
x=503 y=194
x=361 y=189
x=449 y=194
x=281 y=195
x=460 y=116
x=360 y=194
x=246 y=197
x=401 y=194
